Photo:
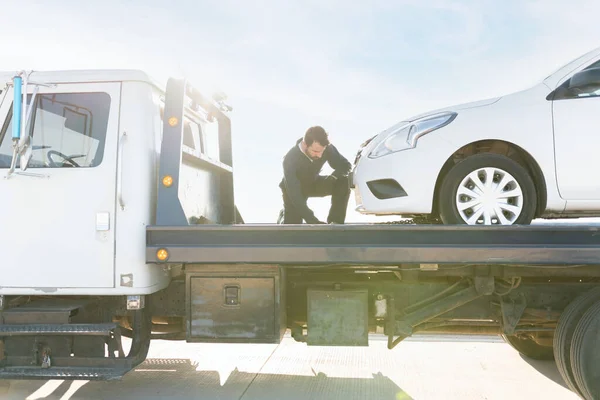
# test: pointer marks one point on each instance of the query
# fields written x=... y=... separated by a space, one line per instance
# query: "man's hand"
x=333 y=177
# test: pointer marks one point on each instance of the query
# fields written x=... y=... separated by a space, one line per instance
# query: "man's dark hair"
x=316 y=134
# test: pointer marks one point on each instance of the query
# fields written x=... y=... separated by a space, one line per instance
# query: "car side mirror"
x=589 y=78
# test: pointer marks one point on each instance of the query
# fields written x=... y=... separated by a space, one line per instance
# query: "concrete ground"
x=432 y=367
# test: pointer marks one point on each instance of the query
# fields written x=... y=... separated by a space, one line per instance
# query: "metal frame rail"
x=375 y=244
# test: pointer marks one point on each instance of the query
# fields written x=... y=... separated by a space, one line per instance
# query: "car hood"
x=458 y=107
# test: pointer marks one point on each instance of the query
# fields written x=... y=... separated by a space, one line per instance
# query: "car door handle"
x=120 y=199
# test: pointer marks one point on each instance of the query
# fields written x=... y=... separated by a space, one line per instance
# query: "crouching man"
x=301 y=179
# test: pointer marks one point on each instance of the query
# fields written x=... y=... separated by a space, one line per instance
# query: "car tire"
x=513 y=210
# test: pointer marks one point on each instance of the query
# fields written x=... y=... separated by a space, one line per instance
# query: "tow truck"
x=120 y=226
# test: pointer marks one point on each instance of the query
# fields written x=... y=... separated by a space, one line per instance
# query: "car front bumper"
x=399 y=183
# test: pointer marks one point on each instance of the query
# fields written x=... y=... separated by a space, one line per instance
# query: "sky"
x=354 y=69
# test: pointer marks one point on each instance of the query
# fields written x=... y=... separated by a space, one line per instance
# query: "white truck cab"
x=84 y=170
x=79 y=208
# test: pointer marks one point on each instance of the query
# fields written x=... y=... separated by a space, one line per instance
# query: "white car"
x=506 y=160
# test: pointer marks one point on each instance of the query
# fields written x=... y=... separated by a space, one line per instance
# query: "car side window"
x=68 y=130
x=564 y=92
x=591 y=91
x=583 y=93
x=594 y=65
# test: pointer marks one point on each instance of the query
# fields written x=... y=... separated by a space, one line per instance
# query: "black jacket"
x=299 y=172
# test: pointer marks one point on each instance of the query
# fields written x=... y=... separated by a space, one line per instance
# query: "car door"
x=58 y=216
x=576 y=120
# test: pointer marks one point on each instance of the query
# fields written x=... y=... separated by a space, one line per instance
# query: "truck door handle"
x=120 y=171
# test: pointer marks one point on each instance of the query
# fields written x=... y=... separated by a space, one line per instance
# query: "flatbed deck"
x=376 y=244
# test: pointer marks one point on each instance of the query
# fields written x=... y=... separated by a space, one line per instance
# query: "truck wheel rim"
x=489 y=196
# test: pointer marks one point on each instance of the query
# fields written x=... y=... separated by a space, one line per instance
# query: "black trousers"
x=338 y=189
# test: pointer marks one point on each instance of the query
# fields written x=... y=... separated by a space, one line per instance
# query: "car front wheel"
x=487 y=189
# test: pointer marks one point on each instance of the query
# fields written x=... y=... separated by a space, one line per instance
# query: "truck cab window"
x=69 y=130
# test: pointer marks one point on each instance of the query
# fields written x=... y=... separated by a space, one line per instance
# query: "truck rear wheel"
x=565 y=330
x=529 y=348
x=585 y=353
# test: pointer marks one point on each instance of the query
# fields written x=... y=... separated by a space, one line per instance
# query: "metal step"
x=50 y=311
x=57 y=329
x=67 y=373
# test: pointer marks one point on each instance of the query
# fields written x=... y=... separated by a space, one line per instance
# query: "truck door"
x=57 y=218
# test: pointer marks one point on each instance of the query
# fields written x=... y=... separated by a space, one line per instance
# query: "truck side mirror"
x=586 y=79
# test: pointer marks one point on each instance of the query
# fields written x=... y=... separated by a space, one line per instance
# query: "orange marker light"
x=162 y=254
x=173 y=121
x=167 y=180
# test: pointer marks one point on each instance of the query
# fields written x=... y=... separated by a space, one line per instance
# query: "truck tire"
x=529 y=348
x=563 y=336
x=470 y=192
x=585 y=353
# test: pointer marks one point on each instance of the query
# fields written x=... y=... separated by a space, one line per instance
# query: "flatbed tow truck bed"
x=333 y=284
x=537 y=286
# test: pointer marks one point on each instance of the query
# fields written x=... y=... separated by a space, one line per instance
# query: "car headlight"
x=404 y=136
